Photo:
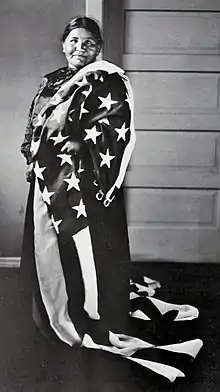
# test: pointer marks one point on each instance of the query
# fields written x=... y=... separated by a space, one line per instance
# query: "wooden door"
x=170 y=51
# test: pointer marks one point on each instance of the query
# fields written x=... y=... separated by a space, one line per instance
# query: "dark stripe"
x=177 y=360
x=148 y=307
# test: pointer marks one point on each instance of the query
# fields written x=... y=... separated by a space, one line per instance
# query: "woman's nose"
x=79 y=45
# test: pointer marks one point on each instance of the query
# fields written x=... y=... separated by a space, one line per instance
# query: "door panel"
x=173 y=222
x=173 y=207
x=182 y=244
x=180 y=5
x=175 y=91
x=176 y=100
x=171 y=32
x=178 y=150
x=166 y=62
x=164 y=159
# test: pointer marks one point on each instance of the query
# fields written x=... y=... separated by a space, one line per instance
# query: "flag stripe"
x=84 y=248
x=50 y=273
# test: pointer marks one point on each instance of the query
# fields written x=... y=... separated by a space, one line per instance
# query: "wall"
x=29 y=47
x=171 y=56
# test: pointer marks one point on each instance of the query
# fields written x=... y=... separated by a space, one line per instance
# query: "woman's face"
x=80 y=48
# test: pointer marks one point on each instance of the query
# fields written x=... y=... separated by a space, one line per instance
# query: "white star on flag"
x=87 y=92
x=59 y=138
x=56 y=224
x=106 y=158
x=104 y=121
x=57 y=113
x=92 y=134
x=83 y=82
x=39 y=170
x=82 y=110
x=81 y=210
x=107 y=102
x=121 y=132
x=73 y=182
x=46 y=195
x=65 y=158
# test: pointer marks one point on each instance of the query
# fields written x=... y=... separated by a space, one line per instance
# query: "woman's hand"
x=30 y=172
x=71 y=147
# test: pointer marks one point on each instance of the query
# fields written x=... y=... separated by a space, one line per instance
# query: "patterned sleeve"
x=107 y=127
x=26 y=144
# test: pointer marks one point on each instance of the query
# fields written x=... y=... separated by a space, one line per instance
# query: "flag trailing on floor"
x=168 y=360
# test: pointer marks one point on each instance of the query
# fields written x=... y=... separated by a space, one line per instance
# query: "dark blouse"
x=47 y=88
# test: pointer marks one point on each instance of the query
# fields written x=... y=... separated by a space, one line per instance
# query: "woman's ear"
x=99 y=49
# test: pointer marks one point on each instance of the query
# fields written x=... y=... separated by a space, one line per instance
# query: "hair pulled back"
x=86 y=23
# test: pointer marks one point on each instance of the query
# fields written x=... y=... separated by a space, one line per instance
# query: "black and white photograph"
x=109 y=196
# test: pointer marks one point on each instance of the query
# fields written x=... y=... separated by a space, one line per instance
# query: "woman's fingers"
x=71 y=146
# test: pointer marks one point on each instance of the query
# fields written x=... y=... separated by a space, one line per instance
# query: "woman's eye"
x=89 y=43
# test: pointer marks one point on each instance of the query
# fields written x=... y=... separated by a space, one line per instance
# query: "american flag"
x=93 y=112
x=88 y=126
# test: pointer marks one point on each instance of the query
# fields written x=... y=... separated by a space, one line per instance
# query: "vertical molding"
x=113 y=30
x=94 y=9
x=109 y=13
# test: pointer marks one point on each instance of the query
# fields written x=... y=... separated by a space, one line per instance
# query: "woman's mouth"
x=81 y=56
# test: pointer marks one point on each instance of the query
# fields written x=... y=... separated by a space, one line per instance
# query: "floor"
x=28 y=363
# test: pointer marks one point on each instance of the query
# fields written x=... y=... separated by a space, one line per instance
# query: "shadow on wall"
x=29 y=48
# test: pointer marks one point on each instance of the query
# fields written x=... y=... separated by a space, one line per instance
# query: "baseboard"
x=9 y=262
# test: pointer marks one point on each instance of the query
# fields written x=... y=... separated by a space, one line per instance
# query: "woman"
x=78 y=143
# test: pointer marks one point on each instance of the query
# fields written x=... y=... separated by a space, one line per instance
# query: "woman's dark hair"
x=83 y=22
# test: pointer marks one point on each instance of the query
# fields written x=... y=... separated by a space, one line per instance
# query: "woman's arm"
x=26 y=144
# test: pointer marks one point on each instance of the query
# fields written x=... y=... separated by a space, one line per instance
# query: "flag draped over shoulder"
x=85 y=134
x=94 y=107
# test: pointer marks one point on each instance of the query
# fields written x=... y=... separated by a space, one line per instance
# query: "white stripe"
x=154 y=283
x=124 y=348
x=130 y=146
x=50 y=273
x=169 y=372
x=140 y=315
x=84 y=248
x=133 y=295
x=89 y=343
x=186 y=312
x=123 y=341
x=145 y=289
x=191 y=347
